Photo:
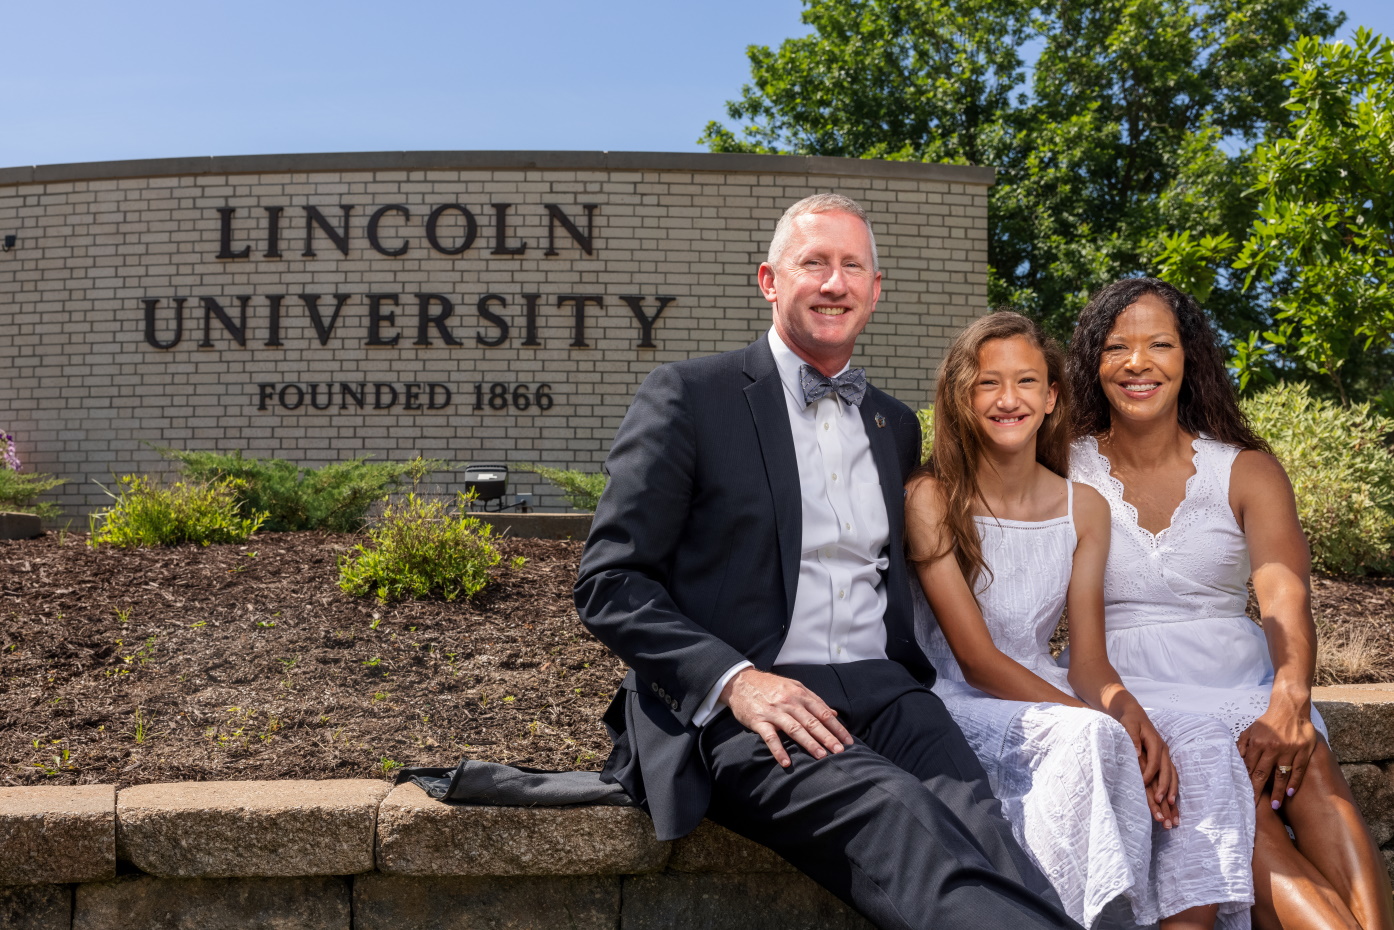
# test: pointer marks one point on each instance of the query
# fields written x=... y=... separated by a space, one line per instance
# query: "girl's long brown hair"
x=958 y=439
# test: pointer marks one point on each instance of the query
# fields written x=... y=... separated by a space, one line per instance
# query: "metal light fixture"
x=10 y=241
x=489 y=482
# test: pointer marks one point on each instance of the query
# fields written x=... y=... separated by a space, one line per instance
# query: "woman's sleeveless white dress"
x=1068 y=778
x=1174 y=602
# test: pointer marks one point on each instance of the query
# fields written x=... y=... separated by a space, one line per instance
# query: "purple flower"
x=11 y=453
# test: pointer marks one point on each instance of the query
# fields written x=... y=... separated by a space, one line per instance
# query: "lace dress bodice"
x=1197 y=566
x=1022 y=594
x=1174 y=602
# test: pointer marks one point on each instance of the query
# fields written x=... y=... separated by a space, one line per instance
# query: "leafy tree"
x=1321 y=247
x=1119 y=135
x=924 y=80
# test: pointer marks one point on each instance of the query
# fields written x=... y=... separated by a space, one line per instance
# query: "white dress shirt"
x=840 y=601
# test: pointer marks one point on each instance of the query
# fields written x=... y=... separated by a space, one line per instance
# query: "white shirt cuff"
x=712 y=705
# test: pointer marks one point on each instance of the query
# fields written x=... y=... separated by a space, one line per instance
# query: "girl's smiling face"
x=1012 y=394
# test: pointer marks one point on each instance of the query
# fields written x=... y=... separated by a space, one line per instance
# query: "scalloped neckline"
x=1117 y=485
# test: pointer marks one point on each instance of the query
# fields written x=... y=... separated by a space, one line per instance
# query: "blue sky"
x=94 y=81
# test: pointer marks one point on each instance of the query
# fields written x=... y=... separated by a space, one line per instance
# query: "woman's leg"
x=1289 y=892
x=1332 y=876
x=1192 y=918
x=1332 y=836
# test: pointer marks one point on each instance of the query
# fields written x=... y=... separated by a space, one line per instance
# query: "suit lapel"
x=890 y=460
x=887 y=459
x=766 y=399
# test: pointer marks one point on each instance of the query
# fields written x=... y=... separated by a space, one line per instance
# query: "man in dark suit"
x=746 y=562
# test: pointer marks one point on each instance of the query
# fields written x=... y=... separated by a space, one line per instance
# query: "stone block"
x=1373 y=787
x=144 y=902
x=1360 y=718
x=20 y=526
x=56 y=835
x=695 y=901
x=36 y=907
x=249 y=828
x=713 y=848
x=418 y=835
x=400 y=902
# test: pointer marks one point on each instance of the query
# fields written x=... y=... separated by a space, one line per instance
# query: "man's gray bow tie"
x=850 y=385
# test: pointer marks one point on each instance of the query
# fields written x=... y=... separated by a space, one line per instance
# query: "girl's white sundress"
x=1068 y=778
x=1174 y=602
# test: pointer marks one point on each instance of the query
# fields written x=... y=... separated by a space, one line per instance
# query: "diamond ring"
x=1284 y=770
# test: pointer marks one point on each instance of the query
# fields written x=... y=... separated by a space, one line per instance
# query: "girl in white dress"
x=1199 y=506
x=1100 y=794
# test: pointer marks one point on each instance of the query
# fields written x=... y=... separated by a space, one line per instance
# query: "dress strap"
x=1069 y=498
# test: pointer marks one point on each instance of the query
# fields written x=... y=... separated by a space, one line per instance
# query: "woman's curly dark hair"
x=1207 y=400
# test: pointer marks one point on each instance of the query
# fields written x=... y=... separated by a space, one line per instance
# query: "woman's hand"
x=1279 y=746
x=1159 y=776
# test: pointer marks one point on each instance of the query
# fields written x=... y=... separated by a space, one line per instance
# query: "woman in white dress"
x=1199 y=506
x=1104 y=802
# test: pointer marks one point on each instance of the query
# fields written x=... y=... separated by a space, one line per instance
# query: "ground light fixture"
x=488 y=483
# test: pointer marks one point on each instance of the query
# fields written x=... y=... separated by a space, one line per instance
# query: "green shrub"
x=1342 y=472
x=335 y=498
x=420 y=549
x=147 y=513
x=926 y=417
x=19 y=489
x=580 y=488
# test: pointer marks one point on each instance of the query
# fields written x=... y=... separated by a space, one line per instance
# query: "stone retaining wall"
x=357 y=853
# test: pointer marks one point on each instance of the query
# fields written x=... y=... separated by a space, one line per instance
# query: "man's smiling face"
x=823 y=287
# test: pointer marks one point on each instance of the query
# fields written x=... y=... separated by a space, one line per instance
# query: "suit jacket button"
x=654 y=687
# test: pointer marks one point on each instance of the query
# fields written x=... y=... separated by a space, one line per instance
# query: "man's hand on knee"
x=769 y=704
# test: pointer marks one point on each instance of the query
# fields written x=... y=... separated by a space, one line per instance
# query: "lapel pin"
x=880 y=421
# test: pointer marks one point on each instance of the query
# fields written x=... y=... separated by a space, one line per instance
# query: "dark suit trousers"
x=901 y=825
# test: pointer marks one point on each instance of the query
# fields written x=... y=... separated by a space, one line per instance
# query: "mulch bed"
x=248 y=662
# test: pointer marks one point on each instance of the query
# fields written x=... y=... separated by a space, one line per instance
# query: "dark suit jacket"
x=693 y=558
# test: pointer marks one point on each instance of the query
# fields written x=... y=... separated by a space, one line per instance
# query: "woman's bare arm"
x=1284 y=737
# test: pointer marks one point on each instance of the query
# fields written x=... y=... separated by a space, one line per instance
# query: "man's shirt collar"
x=788 y=364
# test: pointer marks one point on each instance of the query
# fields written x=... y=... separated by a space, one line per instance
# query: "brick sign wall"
x=467 y=306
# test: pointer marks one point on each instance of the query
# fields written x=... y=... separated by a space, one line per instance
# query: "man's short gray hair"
x=819 y=203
